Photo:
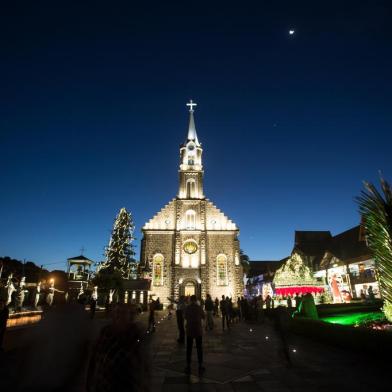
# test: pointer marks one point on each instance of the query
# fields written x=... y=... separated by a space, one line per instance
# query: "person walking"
x=239 y=309
x=230 y=310
x=216 y=307
x=268 y=302
x=93 y=306
x=259 y=309
x=194 y=331
x=209 y=308
x=151 y=316
x=181 y=305
x=297 y=300
x=224 y=308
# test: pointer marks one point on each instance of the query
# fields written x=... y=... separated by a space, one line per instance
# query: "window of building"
x=190 y=216
x=157 y=270
x=190 y=188
x=221 y=265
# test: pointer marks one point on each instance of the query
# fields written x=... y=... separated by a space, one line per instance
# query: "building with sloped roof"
x=343 y=262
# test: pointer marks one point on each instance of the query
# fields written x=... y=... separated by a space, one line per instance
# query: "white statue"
x=10 y=289
x=51 y=291
x=94 y=295
x=21 y=292
x=37 y=294
x=111 y=293
x=81 y=290
x=50 y=295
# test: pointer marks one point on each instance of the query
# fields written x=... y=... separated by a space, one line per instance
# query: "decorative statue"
x=94 y=295
x=334 y=283
x=37 y=294
x=81 y=290
x=10 y=288
x=20 y=293
x=111 y=293
x=51 y=291
x=307 y=308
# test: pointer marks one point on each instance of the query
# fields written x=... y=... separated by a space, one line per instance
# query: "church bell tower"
x=191 y=168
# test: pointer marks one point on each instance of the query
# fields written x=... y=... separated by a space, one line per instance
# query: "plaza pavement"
x=250 y=358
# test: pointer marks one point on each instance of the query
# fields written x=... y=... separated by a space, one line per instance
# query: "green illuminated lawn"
x=353 y=318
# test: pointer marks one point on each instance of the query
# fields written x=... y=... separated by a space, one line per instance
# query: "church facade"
x=190 y=246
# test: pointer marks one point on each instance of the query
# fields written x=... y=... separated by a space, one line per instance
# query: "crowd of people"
x=194 y=315
x=123 y=343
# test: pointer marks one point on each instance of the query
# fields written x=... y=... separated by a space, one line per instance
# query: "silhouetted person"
x=289 y=302
x=224 y=308
x=119 y=360
x=268 y=302
x=371 y=294
x=4 y=315
x=216 y=307
x=259 y=309
x=209 y=308
x=194 y=331
x=239 y=308
x=282 y=325
x=297 y=299
x=151 y=316
x=93 y=306
x=230 y=309
x=181 y=305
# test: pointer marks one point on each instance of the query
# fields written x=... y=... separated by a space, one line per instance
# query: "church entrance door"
x=190 y=289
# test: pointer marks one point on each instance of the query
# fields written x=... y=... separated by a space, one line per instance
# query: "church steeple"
x=192 y=135
x=191 y=168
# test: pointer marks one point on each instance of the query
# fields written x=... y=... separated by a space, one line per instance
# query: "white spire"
x=192 y=135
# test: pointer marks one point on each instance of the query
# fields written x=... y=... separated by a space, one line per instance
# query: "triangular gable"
x=164 y=219
x=216 y=219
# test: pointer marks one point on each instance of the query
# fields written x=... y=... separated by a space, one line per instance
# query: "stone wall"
x=160 y=242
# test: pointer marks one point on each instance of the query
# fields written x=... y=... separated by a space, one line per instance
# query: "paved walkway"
x=250 y=358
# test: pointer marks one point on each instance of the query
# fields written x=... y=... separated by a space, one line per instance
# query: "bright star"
x=291 y=32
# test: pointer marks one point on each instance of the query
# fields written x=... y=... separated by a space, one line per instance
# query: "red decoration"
x=293 y=290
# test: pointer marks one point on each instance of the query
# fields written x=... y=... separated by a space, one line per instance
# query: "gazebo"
x=294 y=277
x=79 y=268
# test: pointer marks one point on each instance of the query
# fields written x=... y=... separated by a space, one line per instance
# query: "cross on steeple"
x=82 y=250
x=191 y=104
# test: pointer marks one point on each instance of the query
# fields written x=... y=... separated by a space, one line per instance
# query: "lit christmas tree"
x=119 y=254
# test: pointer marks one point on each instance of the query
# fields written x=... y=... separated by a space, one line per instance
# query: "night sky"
x=93 y=111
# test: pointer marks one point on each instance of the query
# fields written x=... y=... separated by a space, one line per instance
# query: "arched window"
x=190 y=216
x=190 y=188
x=157 y=270
x=221 y=266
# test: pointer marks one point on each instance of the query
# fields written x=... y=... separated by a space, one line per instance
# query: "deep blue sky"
x=93 y=111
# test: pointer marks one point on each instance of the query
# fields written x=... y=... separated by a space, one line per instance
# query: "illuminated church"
x=190 y=246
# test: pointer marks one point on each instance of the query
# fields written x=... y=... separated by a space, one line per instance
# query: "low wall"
x=363 y=340
x=336 y=309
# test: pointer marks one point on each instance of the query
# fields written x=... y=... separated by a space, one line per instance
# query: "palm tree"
x=244 y=260
x=376 y=211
